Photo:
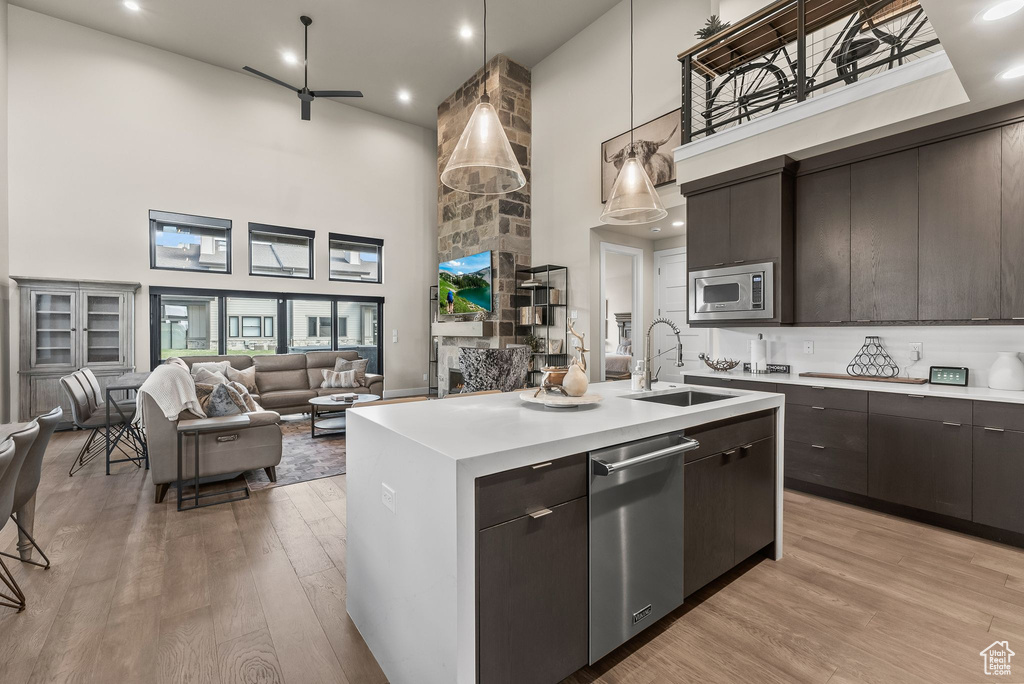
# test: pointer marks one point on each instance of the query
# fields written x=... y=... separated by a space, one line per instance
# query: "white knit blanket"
x=173 y=390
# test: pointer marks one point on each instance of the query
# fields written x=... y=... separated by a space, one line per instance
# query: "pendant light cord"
x=485 y=98
x=630 y=77
x=305 y=56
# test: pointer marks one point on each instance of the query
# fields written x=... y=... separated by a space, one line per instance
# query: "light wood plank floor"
x=255 y=592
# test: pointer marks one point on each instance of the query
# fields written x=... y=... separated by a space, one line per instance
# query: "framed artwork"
x=554 y=346
x=653 y=143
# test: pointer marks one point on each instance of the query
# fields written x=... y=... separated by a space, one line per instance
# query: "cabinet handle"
x=746 y=446
x=540 y=514
x=1017 y=318
x=916 y=396
x=980 y=318
x=739 y=261
x=946 y=422
x=817 y=446
x=835 y=321
x=992 y=429
x=818 y=408
x=541 y=465
x=863 y=320
x=818 y=387
x=721 y=263
x=731 y=452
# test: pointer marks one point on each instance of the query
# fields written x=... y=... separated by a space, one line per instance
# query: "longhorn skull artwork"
x=655 y=153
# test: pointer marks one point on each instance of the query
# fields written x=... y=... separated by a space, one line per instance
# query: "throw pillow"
x=221 y=403
x=359 y=366
x=344 y=378
x=248 y=403
x=210 y=377
x=212 y=366
x=246 y=378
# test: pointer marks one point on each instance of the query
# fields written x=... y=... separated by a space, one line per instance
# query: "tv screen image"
x=464 y=285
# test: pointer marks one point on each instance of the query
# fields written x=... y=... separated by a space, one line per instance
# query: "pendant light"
x=633 y=199
x=482 y=162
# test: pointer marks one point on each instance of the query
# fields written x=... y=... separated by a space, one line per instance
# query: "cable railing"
x=793 y=50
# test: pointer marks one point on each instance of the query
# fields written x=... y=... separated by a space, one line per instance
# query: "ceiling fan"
x=305 y=94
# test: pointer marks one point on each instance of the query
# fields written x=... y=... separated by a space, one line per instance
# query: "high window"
x=356 y=259
x=280 y=252
x=181 y=242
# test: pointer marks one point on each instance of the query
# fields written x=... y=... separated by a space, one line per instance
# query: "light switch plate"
x=808 y=346
x=388 y=497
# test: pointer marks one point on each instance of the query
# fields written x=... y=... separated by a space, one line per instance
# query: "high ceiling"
x=377 y=46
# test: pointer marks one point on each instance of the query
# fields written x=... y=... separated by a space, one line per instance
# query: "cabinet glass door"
x=53 y=328
x=103 y=316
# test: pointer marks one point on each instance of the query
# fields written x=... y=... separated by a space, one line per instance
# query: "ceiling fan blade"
x=338 y=93
x=305 y=110
x=270 y=78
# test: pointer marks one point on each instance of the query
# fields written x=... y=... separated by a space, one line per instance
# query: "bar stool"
x=25 y=490
x=10 y=463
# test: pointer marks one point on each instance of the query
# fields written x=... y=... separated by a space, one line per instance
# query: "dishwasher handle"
x=603 y=468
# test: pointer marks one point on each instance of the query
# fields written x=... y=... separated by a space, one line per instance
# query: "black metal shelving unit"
x=432 y=303
x=555 y=325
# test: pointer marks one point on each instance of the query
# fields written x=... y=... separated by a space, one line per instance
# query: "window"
x=357 y=330
x=280 y=252
x=342 y=327
x=356 y=259
x=188 y=326
x=268 y=326
x=309 y=324
x=233 y=326
x=252 y=326
x=180 y=242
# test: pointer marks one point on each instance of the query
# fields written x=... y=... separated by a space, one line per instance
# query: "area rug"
x=302 y=457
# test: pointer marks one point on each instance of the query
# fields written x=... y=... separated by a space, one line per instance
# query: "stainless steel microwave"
x=733 y=293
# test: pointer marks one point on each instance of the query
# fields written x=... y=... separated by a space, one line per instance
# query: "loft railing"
x=792 y=50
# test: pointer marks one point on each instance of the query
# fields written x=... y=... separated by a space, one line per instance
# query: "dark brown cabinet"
x=827 y=427
x=827 y=466
x=883 y=238
x=822 y=258
x=998 y=474
x=921 y=463
x=754 y=223
x=754 y=478
x=960 y=225
x=1012 y=228
x=707 y=236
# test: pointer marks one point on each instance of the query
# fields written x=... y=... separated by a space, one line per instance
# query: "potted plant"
x=712 y=25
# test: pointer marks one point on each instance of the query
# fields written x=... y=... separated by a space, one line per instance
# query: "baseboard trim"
x=974 y=529
x=411 y=392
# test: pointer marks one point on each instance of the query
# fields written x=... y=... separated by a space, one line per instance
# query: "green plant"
x=533 y=342
x=713 y=25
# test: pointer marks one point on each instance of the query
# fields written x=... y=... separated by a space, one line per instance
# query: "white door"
x=670 y=302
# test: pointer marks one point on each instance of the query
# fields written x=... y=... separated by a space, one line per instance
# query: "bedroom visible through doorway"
x=621 y=307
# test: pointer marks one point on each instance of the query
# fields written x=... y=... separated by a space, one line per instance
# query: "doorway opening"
x=622 y=324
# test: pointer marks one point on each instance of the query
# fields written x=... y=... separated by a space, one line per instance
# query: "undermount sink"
x=687 y=398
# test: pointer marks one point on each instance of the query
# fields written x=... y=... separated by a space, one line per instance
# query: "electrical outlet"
x=424 y=377
x=394 y=335
x=388 y=497
x=916 y=351
x=808 y=346
x=574 y=314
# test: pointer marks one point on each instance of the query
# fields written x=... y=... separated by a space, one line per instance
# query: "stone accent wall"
x=469 y=224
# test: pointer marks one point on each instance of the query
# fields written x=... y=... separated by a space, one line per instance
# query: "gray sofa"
x=286 y=382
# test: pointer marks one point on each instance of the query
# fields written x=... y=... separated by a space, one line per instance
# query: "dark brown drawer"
x=827 y=427
x=996 y=415
x=920 y=406
x=732 y=383
x=729 y=434
x=836 y=468
x=826 y=397
x=514 y=493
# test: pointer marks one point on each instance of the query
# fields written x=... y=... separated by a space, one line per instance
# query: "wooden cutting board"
x=843 y=376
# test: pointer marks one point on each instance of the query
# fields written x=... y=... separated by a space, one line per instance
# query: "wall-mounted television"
x=464 y=285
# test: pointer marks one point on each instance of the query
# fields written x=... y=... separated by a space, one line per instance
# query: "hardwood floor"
x=254 y=592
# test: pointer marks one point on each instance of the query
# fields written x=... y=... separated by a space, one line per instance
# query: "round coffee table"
x=328 y=416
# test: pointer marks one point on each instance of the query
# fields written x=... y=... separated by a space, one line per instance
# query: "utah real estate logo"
x=997 y=658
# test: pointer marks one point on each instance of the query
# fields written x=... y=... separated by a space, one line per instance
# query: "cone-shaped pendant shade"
x=633 y=198
x=483 y=162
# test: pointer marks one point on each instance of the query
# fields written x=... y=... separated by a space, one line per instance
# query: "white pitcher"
x=1007 y=373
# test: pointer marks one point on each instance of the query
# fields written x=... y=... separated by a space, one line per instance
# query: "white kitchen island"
x=411 y=572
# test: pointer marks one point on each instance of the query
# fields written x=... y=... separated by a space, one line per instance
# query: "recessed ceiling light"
x=1013 y=72
x=404 y=95
x=466 y=32
x=655 y=229
x=289 y=57
x=1002 y=10
x=679 y=224
x=133 y=6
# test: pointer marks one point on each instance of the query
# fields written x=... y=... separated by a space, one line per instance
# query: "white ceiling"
x=377 y=46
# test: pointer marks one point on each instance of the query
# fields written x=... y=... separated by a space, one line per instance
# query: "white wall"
x=5 y=376
x=580 y=99
x=972 y=346
x=108 y=129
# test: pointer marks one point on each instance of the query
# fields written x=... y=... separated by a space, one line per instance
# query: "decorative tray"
x=554 y=400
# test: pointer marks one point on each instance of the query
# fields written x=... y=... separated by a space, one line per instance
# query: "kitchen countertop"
x=411 y=504
x=970 y=393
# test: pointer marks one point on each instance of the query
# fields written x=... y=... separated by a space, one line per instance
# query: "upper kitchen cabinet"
x=883 y=239
x=1011 y=274
x=959 y=237
x=822 y=252
x=744 y=216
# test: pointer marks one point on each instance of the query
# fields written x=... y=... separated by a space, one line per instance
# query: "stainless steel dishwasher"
x=636 y=537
